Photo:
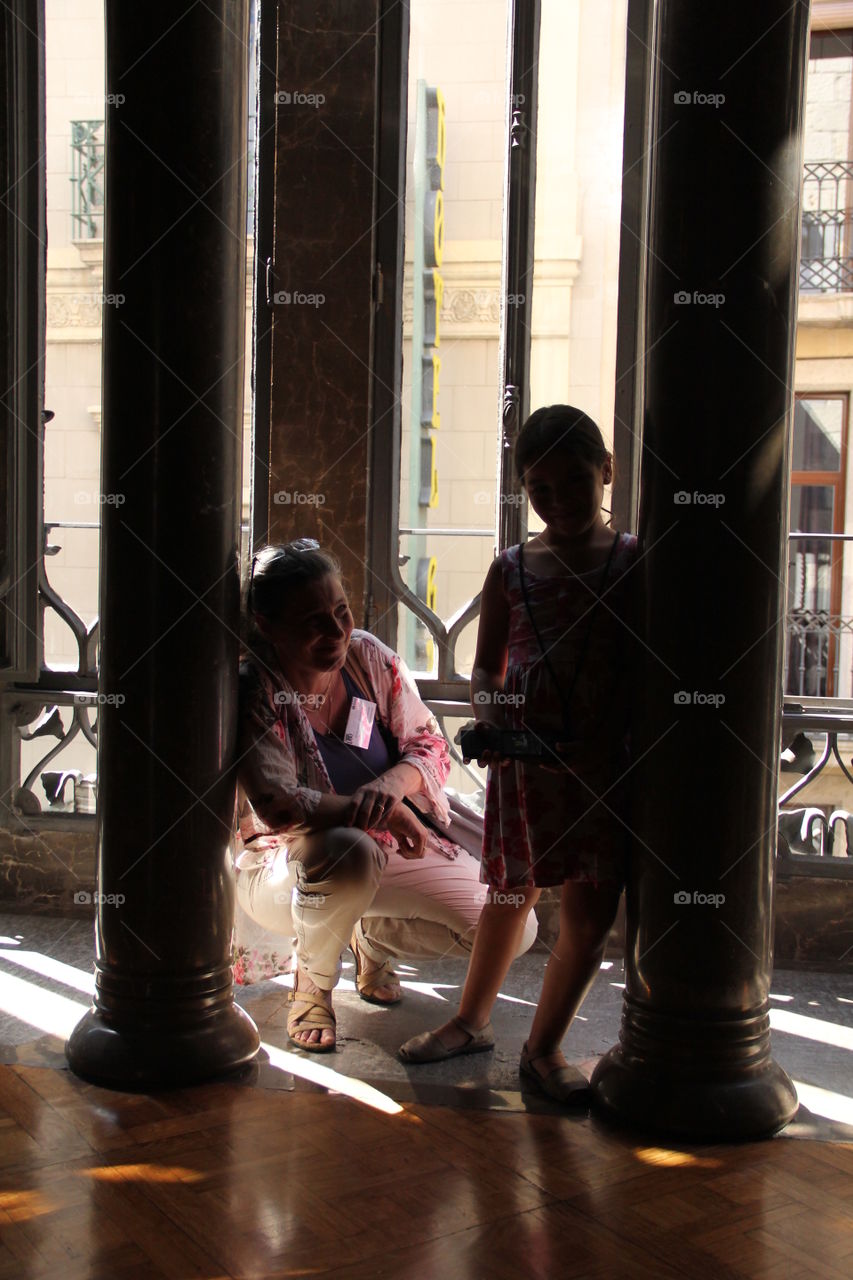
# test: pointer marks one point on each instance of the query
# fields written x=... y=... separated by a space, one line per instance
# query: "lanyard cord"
x=566 y=700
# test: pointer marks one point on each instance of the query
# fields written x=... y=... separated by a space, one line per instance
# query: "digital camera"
x=515 y=744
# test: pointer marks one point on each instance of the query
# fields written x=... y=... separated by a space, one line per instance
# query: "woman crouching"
x=343 y=815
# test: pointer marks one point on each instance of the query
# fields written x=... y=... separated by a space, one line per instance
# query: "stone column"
x=694 y=1054
x=174 y=277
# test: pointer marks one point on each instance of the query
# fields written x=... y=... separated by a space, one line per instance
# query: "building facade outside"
x=459 y=49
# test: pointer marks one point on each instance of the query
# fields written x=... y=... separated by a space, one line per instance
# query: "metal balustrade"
x=87 y=179
x=826 y=254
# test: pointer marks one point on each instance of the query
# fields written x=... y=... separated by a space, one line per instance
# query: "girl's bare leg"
x=586 y=915
x=496 y=945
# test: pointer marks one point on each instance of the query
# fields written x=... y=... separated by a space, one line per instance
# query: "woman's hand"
x=407 y=831
x=371 y=804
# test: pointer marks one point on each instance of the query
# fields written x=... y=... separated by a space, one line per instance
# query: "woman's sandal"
x=428 y=1048
x=564 y=1084
x=309 y=1013
x=369 y=983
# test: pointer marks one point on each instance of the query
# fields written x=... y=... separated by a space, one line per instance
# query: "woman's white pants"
x=324 y=886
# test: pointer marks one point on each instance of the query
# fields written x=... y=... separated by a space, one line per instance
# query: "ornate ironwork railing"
x=61 y=708
x=816 y=635
x=826 y=253
x=87 y=179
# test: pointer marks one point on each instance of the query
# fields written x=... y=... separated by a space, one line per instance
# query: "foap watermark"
x=293 y=497
x=103 y=299
x=682 y=498
x=115 y=99
x=297 y=98
x=286 y=698
x=698 y=699
x=684 y=298
x=496 y=95
x=286 y=897
x=698 y=99
x=684 y=899
x=85 y=899
x=309 y=900
x=486 y=498
x=506 y=899
x=99 y=499
x=99 y=699
x=294 y=298
x=497 y=698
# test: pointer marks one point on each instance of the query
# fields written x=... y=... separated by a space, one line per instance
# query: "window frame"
x=837 y=481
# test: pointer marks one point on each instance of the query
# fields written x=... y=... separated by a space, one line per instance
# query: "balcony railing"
x=826 y=252
x=87 y=179
x=816 y=635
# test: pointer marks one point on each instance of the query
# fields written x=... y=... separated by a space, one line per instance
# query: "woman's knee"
x=344 y=854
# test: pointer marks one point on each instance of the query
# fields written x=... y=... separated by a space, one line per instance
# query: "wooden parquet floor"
x=229 y=1181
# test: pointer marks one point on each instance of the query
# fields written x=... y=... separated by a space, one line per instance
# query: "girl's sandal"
x=309 y=1013
x=564 y=1084
x=369 y=983
x=428 y=1048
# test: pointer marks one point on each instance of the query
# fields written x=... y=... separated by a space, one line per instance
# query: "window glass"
x=455 y=173
x=818 y=428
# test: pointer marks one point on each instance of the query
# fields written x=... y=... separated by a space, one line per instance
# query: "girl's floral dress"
x=545 y=827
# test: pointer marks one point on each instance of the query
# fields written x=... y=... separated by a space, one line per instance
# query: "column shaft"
x=694 y=1055
x=174 y=277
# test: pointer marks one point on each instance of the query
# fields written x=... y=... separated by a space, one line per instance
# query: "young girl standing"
x=552 y=659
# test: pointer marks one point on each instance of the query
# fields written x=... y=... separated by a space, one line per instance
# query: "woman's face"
x=315 y=631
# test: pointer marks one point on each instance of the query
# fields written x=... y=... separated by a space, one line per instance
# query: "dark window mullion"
x=518 y=252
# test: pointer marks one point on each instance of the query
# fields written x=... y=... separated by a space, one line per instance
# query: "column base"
x=141 y=1056
x=648 y=1095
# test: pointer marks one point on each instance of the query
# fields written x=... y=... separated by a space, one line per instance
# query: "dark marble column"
x=173 y=376
x=694 y=1054
x=321 y=280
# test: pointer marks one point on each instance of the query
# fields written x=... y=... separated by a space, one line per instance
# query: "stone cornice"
x=471 y=305
x=828 y=15
x=74 y=292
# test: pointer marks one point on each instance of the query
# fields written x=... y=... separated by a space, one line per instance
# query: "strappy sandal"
x=309 y=1013
x=564 y=1084
x=368 y=984
x=428 y=1048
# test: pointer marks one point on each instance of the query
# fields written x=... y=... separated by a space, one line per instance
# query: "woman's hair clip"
x=277 y=569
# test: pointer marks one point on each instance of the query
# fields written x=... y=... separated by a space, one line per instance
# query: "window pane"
x=812 y=507
x=578 y=211
x=456 y=150
x=817 y=442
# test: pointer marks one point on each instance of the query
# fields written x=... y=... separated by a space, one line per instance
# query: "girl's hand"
x=491 y=759
x=407 y=831
x=371 y=804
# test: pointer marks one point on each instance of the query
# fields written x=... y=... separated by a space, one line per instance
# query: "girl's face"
x=565 y=490
x=314 y=634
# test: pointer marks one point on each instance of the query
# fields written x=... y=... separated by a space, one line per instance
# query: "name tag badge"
x=360 y=723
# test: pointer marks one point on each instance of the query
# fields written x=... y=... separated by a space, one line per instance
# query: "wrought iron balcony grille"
x=826 y=253
x=87 y=179
x=818 y=635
